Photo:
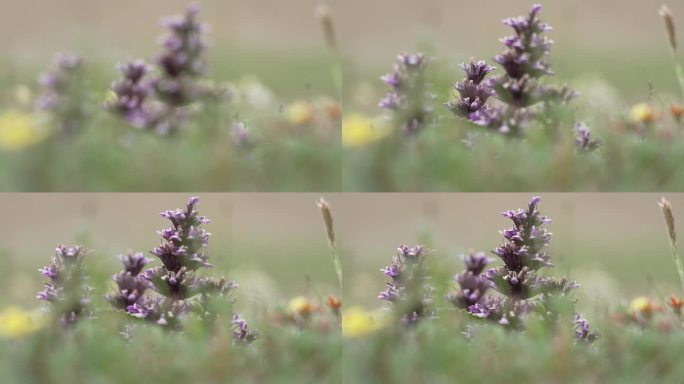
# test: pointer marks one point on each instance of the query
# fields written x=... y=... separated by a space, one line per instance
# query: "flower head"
x=359 y=130
x=357 y=322
x=472 y=287
x=407 y=291
x=300 y=306
x=299 y=113
x=19 y=130
x=16 y=322
x=523 y=252
x=524 y=61
x=407 y=97
x=130 y=288
x=241 y=331
x=65 y=289
x=63 y=96
x=643 y=114
x=182 y=255
x=583 y=140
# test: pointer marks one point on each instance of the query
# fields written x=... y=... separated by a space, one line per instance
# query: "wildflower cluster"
x=522 y=290
x=408 y=291
x=408 y=97
x=181 y=254
x=182 y=60
x=472 y=287
x=63 y=95
x=157 y=102
x=130 y=288
x=524 y=61
x=66 y=289
x=131 y=95
x=473 y=90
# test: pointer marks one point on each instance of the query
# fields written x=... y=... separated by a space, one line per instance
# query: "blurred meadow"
x=615 y=55
x=272 y=123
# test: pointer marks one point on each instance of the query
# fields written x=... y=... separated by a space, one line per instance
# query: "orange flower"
x=643 y=306
x=676 y=304
x=334 y=302
x=677 y=111
x=643 y=113
x=300 y=306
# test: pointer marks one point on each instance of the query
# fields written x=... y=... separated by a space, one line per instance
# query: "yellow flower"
x=300 y=305
x=643 y=113
x=643 y=305
x=18 y=131
x=23 y=96
x=299 y=113
x=357 y=322
x=359 y=130
x=15 y=322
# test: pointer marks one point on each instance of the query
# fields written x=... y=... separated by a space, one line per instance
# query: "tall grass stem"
x=326 y=212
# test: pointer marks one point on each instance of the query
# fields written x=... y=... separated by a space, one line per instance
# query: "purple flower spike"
x=63 y=96
x=524 y=61
x=472 y=287
x=130 y=288
x=408 y=292
x=176 y=280
x=407 y=96
x=157 y=102
x=521 y=290
x=66 y=289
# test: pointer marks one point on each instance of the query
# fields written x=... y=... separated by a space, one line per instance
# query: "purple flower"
x=583 y=140
x=472 y=287
x=408 y=292
x=64 y=95
x=241 y=136
x=176 y=280
x=522 y=291
x=66 y=289
x=158 y=102
x=526 y=241
x=407 y=97
x=131 y=96
x=130 y=288
x=473 y=92
x=241 y=331
x=182 y=59
x=524 y=61
x=582 y=330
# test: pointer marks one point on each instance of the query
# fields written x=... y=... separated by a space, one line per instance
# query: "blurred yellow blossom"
x=18 y=131
x=15 y=322
x=359 y=130
x=23 y=96
x=643 y=113
x=358 y=322
x=643 y=306
x=299 y=113
x=300 y=305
